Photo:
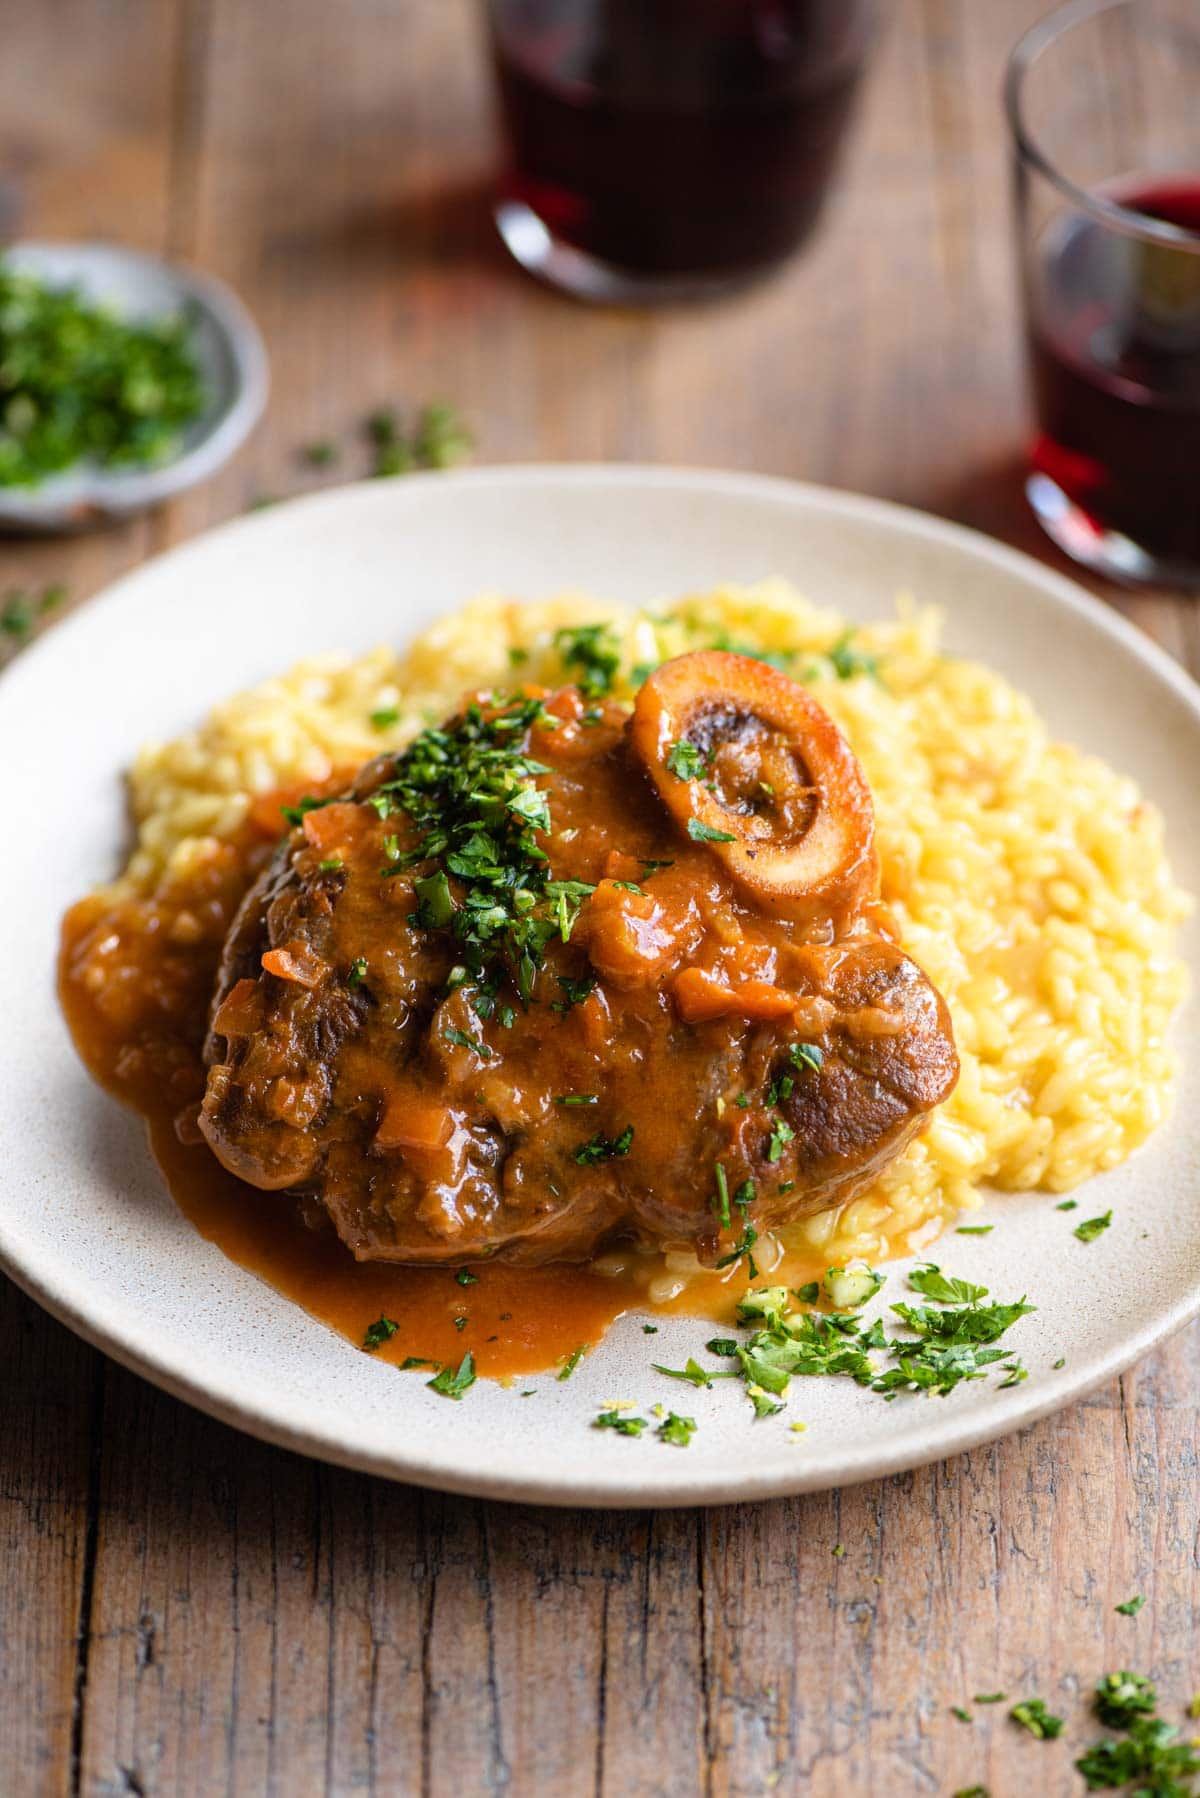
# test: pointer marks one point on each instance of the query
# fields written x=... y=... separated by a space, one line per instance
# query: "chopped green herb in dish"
x=1031 y=1714
x=80 y=383
x=381 y=1331
x=452 y=1382
x=1093 y=1227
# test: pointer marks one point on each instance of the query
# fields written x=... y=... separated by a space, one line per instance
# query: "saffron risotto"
x=1029 y=880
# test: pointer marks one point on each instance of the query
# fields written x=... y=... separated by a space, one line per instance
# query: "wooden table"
x=184 y=1611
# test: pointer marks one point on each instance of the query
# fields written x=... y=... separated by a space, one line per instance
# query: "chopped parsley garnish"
x=1092 y=1227
x=357 y=972
x=320 y=454
x=1151 y=1757
x=460 y=1322
x=332 y=864
x=572 y=1361
x=952 y=1338
x=720 y=1199
x=381 y=1331
x=621 y=1422
x=848 y=661
x=963 y=1715
x=1121 y=1697
x=593 y=650
x=809 y=1293
x=649 y=1329
x=805 y=1055
x=385 y=717
x=1031 y=1714
x=574 y=991
x=461 y=1040
x=464 y=1277
x=974 y=1229
x=705 y=833
x=781 y=1134
x=21 y=610
x=1131 y=1607
x=692 y=1372
x=472 y=795
x=411 y=1361
x=651 y=867
x=78 y=382
x=452 y=1382
x=1068 y=1205
x=722 y=1345
x=676 y=1430
x=685 y=761
x=605 y=1148
x=629 y=886
x=439 y=439
x=989 y=1697
x=743 y=1198
x=577 y=1099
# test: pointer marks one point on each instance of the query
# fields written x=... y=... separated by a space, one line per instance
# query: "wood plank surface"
x=185 y=1611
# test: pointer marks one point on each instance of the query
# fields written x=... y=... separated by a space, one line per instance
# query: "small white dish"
x=227 y=345
x=86 y=1224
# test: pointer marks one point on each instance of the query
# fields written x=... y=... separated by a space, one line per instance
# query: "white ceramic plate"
x=85 y=1223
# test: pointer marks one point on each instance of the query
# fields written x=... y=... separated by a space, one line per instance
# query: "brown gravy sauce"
x=134 y=980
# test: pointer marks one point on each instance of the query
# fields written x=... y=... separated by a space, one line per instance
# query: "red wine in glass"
x=676 y=139
x=1115 y=352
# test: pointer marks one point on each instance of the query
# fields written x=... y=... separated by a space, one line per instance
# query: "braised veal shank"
x=556 y=975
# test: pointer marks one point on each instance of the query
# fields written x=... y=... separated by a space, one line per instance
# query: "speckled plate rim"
x=552 y=1457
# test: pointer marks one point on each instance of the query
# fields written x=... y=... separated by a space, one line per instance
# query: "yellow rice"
x=1030 y=880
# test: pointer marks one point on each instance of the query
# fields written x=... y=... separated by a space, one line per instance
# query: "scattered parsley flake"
x=1120 y=1697
x=685 y=761
x=461 y=1040
x=1068 y=1205
x=676 y=1430
x=605 y=1148
x=989 y=1697
x=574 y=991
x=974 y=1229
x=570 y=1099
x=624 y=1425
x=1131 y=1607
x=595 y=651
x=963 y=1715
x=572 y=1361
x=809 y=1293
x=805 y=1055
x=381 y=1331
x=385 y=717
x=706 y=833
x=649 y=1329
x=357 y=972
x=1031 y=1714
x=452 y=1382
x=1151 y=1756
x=464 y=1277
x=1092 y=1227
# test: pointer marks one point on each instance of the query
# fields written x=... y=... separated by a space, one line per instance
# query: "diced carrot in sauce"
x=295 y=961
x=700 y=996
x=331 y=827
x=410 y=1122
